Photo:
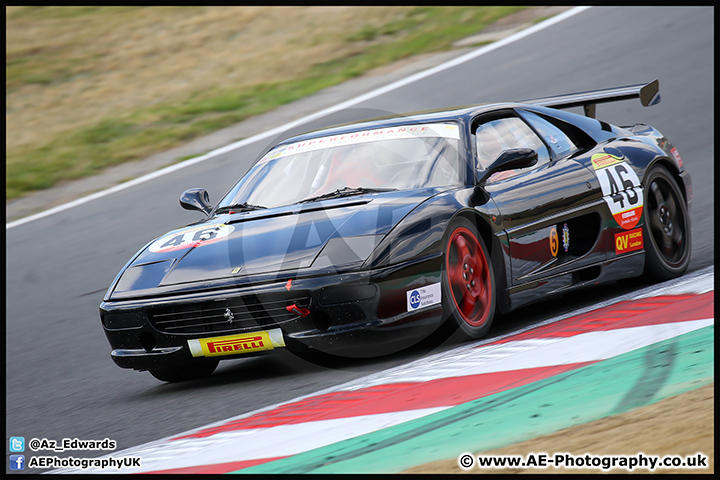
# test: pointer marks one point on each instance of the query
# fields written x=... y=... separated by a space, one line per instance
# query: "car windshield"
x=393 y=158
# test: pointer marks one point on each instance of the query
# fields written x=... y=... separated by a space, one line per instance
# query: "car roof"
x=456 y=114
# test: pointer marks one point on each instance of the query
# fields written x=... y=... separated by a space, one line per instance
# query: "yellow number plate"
x=234 y=344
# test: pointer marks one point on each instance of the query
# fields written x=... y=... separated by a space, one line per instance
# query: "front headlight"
x=148 y=275
x=346 y=251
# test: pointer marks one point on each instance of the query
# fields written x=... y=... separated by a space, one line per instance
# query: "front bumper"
x=357 y=314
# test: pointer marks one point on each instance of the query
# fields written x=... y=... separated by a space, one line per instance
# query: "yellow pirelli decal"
x=234 y=344
x=602 y=160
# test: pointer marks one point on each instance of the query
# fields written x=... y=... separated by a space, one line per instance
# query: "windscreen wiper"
x=346 y=192
x=240 y=207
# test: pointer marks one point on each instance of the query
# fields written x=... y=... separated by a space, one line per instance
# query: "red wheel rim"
x=469 y=277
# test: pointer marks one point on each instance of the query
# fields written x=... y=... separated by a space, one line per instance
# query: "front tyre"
x=666 y=227
x=468 y=281
x=183 y=373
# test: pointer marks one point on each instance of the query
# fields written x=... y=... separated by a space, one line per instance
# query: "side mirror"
x=196 y=199
x=510 y=160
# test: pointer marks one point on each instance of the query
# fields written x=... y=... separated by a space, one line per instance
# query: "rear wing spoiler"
x=648 y=93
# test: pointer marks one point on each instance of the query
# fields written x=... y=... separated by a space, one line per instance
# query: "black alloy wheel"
x=666 y=229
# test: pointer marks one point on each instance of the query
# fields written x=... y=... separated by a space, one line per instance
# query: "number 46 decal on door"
x=620 y=187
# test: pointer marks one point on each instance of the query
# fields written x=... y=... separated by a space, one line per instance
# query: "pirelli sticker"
x=234 y=344
x=602 y=160
x=628 y=241
x=621 y=189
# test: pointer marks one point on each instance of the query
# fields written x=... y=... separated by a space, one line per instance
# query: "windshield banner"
x=444 y=130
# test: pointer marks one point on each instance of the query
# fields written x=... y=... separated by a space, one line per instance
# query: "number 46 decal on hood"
x=191 y=237
x=620 y=187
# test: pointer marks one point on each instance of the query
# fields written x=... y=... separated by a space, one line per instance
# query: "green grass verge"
x=156 y=128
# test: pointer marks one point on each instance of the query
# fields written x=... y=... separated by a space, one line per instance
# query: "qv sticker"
x=423 y=296
x=620 y=187
x=192 y=237
x=628 y=241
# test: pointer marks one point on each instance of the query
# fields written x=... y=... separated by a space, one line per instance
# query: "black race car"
x=363 y=239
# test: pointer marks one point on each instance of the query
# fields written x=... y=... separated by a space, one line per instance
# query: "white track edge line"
x=219 y=439
x=646 y=292
x=278 y=130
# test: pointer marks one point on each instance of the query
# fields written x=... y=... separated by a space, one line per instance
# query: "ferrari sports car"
x=364 y=239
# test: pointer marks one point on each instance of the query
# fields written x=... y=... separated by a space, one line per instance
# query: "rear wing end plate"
x=648 y=93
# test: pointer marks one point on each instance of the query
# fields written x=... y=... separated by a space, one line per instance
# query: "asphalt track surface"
x=60 y=380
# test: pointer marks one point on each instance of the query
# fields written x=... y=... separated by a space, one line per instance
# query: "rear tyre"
x=666 y=229
x=468 y=280
x=185 y=372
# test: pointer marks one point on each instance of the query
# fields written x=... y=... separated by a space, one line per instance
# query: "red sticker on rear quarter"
x=628 y=218
x=677 y=157
x=628 y=241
